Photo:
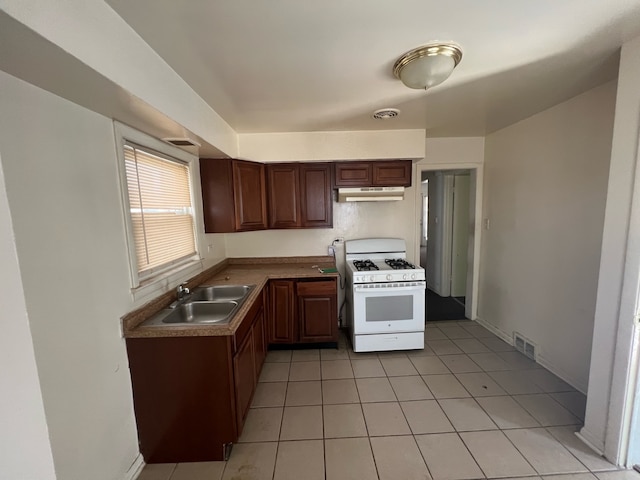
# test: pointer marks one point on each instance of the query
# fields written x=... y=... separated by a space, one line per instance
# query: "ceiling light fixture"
x=427 y=66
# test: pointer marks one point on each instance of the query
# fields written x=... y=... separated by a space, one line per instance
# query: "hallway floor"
x=443 y=308
x=468 y=406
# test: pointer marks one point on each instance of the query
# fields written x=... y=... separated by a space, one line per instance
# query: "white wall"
x=61 y=177
x=93 y=33
x=544 y=194
x=612 y=337
x=449 y=150
x=25 y=451
x=357 y=145
x=62 y=185
x=350 y=220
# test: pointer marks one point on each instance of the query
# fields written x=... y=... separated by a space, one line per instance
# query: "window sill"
x=165 y=281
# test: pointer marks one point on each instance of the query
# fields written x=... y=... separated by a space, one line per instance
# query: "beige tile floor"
x=468 y=406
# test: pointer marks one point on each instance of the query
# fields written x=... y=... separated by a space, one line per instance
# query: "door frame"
x=476 y=172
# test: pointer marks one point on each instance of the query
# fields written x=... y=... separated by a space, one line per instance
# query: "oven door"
x=388 y=307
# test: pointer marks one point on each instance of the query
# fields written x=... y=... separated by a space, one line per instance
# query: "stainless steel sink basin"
x=220 y=293
x=214 y=305
x=202 y=312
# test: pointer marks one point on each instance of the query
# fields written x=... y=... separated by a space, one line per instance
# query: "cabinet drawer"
x=323 y=287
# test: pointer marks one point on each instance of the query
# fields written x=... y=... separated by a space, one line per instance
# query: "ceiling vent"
x=182 y=142
x=385 y=113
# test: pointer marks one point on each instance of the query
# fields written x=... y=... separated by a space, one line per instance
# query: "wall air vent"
x=524 y=346
x=182 y=142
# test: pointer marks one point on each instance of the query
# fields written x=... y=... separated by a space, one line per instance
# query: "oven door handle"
x=372 y=287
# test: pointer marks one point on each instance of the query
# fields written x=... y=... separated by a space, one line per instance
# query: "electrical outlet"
x=331 y=251
x=210 y=248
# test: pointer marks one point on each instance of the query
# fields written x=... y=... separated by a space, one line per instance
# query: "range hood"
x=370 y=194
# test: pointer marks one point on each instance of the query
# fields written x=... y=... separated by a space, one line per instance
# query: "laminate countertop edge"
x=231 y=271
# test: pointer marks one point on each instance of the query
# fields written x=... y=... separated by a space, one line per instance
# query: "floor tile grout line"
x=567 y=448
x=507 y=394
x=426 y=464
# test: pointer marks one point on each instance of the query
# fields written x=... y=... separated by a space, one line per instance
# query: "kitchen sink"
x=220 y=293
x=202 y=312
x=214 y=305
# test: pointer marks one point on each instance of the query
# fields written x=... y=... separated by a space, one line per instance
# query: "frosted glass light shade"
x=427 y=71
x=427 y=66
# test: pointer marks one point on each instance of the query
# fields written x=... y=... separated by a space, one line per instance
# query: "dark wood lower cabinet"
x=317 y=311
x=303 y=311
x=245 y=372
x=191 y=394
x=281 y=311
x=259 y=343
x=183 y=394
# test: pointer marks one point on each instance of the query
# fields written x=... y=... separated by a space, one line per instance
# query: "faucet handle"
x=182 y=289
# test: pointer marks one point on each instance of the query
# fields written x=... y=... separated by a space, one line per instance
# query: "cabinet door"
x=245 y=379
x=249 y=196
x=353 y=174
x=392 y=174
x=217 y=195
x=317 y=311
x=284 y=195
x=281 y=311
x=315 y=195
x=259 y=343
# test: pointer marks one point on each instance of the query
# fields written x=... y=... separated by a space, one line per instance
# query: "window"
x=159 y=213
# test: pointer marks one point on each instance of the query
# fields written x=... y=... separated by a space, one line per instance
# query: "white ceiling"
x=297 y=65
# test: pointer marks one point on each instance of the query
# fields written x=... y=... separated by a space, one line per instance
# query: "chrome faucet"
x=182 y=291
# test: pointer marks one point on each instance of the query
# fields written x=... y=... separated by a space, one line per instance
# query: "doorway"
x=449 y=242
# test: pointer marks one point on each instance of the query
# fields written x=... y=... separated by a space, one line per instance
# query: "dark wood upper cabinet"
x=353 y=174
x=283 y=185
x=393 y=173
x=249 y=196
x=233 y=195
x=316 y=203
x=299 y=195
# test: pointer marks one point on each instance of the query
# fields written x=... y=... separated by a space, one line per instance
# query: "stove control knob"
x=372 y=278
x=413 y=276
x=404 y=277
x=389 y=277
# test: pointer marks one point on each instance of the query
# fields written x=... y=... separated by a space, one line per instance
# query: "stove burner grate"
x=399 y=264
x=365 y=265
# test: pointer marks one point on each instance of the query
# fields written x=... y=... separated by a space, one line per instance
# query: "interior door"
x=460 y=235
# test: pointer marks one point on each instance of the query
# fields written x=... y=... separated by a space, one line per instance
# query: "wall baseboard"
x=541 y=360
x=590 y=441
x=135 y=469
x=495 y=330
x=562 y=375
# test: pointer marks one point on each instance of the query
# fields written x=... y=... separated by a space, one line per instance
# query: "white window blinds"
x=161 y=211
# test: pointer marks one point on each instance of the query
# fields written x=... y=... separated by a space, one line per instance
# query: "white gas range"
x=385 y=296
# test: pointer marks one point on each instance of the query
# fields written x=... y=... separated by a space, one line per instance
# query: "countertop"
x=255 y=271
